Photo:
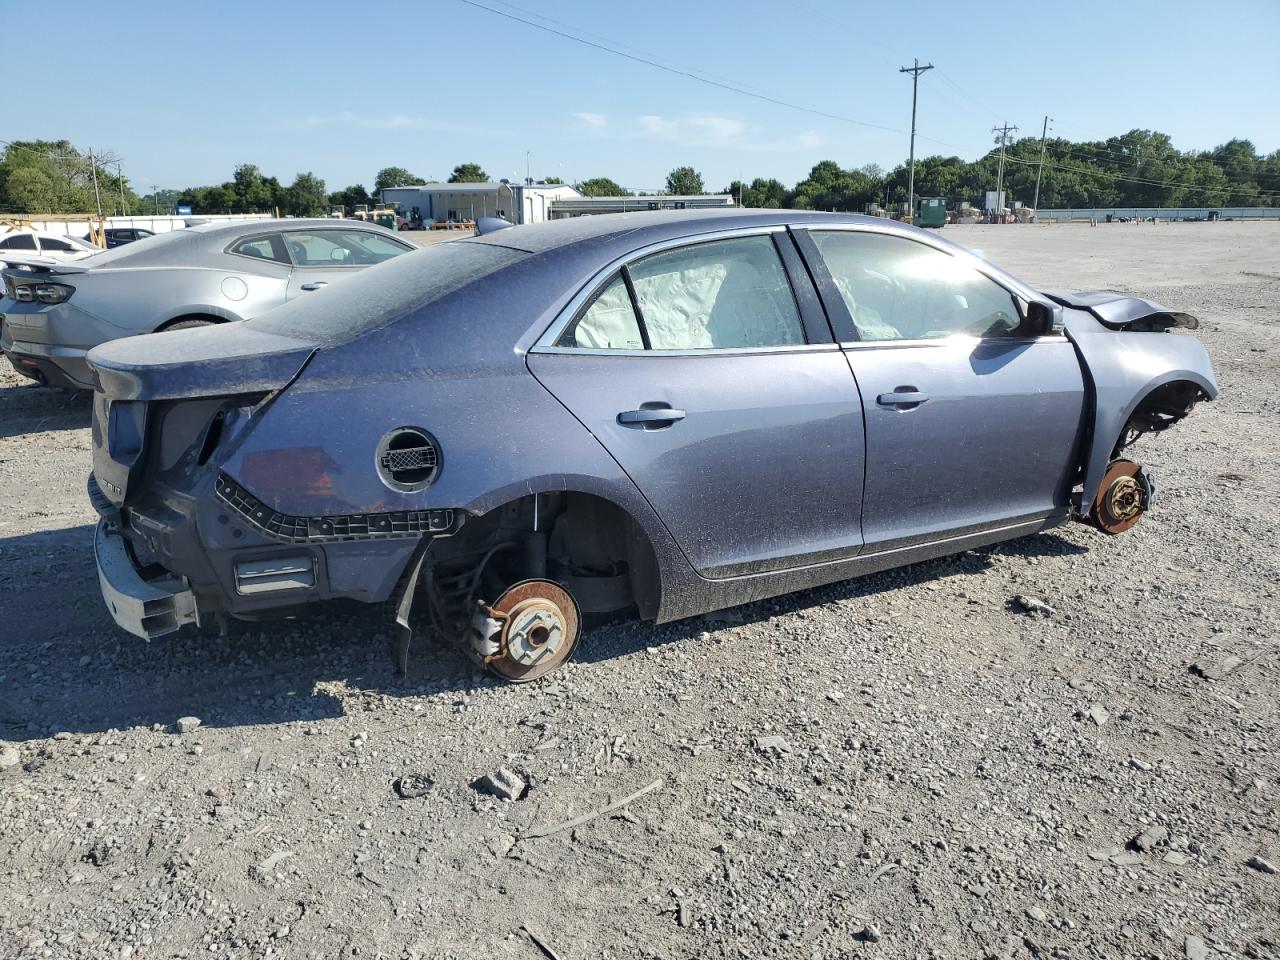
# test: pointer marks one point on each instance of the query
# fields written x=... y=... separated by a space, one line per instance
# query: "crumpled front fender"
x=1123 y=368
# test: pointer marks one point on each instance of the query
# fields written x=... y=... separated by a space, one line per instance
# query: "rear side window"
x=610 y=323
x=898 y=289
x=722 y=294
x=18 y=241
x=270 y=247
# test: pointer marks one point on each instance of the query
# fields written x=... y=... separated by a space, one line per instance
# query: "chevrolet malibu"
x=661 y=413
x=55 y=312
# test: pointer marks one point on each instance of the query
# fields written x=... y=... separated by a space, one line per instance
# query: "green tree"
x=350 y=198
x=769 y=194
x=468 y=173
x=552 y=181
x=602 y=187
x=306 y=196
x=52 y=176
x=254 y=192
x=685 y=181
x=394 y=177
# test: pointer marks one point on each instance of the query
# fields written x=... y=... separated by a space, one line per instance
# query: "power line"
x=1117 y=176
x=678 y=71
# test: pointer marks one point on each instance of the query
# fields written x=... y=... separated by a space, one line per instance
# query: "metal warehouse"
x=528 y=203
x=442 y=202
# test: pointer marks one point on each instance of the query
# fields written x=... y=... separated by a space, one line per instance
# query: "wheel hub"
x=1122 y=498
x=540 y=625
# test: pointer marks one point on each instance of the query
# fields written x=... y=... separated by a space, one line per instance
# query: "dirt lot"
x=947 y=776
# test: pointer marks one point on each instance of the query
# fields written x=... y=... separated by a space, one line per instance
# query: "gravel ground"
x=906 y=765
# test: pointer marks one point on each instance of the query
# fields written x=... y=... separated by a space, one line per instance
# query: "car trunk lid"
x=135 y=374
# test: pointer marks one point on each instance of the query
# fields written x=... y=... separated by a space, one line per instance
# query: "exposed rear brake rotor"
x=1121 y=499
x=541 y=624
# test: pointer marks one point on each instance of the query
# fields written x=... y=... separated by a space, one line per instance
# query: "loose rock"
x=503 y=783
x=187 y=724
x=9 y=757
x=1263 y=866
x=1033 y=607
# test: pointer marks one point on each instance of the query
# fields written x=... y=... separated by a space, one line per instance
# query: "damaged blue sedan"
x=656 y=413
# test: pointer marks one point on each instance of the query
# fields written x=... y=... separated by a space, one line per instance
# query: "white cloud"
x=390 y=121
x=701 y=130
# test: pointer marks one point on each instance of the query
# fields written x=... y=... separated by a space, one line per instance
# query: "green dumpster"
x=386 y=219
x=930 y=212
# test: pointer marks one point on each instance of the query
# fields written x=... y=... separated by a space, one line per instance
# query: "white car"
x=25 y=244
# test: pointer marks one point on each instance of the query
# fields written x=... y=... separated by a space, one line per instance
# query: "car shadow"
x=66 y=666
x=626 y=639
x=32 y=408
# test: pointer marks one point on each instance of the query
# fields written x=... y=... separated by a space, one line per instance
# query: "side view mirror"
x=1043 y=319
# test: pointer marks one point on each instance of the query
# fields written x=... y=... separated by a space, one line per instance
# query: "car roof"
x=295 y=223
x=642 y=227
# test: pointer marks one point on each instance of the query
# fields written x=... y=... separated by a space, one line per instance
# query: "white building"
x=516 y=202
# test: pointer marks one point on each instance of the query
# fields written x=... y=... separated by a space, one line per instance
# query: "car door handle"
x=314 y=285
x=650 y=418
x=902 y=397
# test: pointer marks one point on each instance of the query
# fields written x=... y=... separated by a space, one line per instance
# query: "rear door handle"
x=650 y=418
x=314 y=285
x=902 y=397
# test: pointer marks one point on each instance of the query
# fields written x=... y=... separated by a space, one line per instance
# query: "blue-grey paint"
x=785 y=471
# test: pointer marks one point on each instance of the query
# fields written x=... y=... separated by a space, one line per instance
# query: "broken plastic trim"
x=402 y=524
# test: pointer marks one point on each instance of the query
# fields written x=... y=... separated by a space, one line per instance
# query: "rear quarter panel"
x=141 y=300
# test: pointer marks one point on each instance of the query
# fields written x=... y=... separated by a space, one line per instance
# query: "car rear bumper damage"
x=146 y=608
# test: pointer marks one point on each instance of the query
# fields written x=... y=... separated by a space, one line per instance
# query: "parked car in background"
x=22 y=245
x=666 y=413
x=119 y=236
x=52 y=314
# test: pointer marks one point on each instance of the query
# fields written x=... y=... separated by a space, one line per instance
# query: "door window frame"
x=846 y=330
x=813 y=320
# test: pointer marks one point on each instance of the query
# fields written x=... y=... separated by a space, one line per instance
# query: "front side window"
x=722 y=294
x=61 y=246
x=341 y=248
x=899 y=289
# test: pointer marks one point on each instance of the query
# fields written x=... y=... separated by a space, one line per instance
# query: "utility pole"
x=1004 y=132
x=93 y=169
x=915 y=72
x=120 y=180
x=1044 y=133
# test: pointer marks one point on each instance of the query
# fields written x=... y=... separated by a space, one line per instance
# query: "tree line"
x=1142 y=168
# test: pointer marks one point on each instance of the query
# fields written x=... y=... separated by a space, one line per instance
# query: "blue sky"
x=184 y=91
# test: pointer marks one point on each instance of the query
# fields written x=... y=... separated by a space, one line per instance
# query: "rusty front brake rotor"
x=1121 y=499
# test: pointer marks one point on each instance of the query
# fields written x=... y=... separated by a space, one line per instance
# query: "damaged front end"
x=1145 y=376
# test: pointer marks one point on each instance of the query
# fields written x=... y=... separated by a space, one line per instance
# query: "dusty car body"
x=53 y=314
x=657 y=412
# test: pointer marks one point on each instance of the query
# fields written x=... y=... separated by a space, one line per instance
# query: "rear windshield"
x=377 y=295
